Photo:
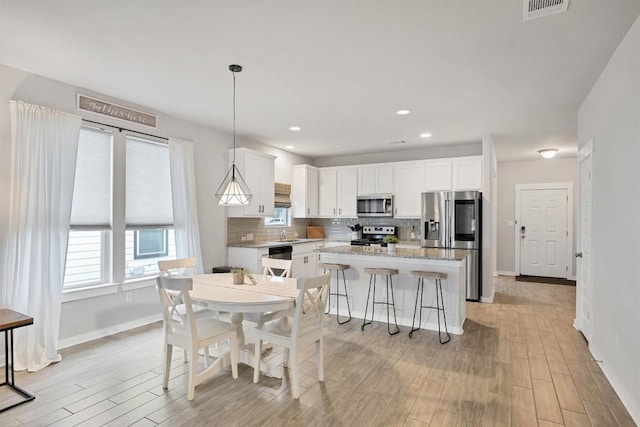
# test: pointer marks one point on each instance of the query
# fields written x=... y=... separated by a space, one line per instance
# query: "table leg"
x=247 y=354
x=9 y=372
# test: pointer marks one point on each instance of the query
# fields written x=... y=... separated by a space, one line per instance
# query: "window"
x=281 y=218
x=88 y=252
x=149 y=233
x=136 y=266
x=150 y=243
x=122 y=212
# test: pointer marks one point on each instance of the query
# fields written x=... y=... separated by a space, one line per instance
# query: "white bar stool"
x=438 y=277
x=337 y=268
x=374 y=272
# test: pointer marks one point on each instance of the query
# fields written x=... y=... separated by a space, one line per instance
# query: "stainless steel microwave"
x=375 y=205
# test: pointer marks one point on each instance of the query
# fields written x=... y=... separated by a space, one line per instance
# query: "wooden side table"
x=10 y=320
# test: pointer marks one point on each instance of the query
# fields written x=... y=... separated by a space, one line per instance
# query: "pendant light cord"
x=234 y=117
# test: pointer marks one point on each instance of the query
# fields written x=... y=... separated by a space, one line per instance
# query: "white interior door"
x=584 y=286
x=543 y=233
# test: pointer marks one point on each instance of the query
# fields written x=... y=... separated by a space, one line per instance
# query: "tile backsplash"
x=335 y=228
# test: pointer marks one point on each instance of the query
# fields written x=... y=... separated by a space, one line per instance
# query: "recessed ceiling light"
x=425 y=135
x=403 y=112
x=548 y=153
x=290 y=147
x=295 y=128
x=338 y=145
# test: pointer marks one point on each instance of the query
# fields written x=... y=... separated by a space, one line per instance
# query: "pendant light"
x=234 y=191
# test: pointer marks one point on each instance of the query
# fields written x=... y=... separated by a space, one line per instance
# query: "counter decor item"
x=391 y=242
x=355 y=231
x=315 y=232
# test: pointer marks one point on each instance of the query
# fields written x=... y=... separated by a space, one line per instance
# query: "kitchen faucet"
x=283 y=235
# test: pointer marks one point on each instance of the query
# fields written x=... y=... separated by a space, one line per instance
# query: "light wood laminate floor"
x=519 y=363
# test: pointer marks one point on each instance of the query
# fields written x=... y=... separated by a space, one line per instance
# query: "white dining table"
x=270 y=293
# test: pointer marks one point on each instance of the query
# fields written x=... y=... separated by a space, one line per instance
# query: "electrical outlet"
x=250 y=236
x=129 y=297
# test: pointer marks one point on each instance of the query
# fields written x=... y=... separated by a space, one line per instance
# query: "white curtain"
x=44 y=146
x=185 y=207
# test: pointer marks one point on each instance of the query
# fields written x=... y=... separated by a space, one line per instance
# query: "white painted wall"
x=527 y=172
x=89 y=318
x=402 y=154
x=610 y=115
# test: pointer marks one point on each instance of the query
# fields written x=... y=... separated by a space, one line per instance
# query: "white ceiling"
x=337 y=68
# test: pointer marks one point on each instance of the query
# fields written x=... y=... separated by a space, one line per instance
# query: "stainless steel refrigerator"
x=453 y=220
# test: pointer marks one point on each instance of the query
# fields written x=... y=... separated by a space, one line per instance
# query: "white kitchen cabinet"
x=456 y=174
x=338 y=192
x=467 y=174
x=258 y=170
x=248 y=258
x=304 y=260
x=409 y=184
x=304 y=192
x=437 y=175
x=375 y=179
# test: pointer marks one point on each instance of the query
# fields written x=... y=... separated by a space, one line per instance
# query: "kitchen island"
x=450 y=261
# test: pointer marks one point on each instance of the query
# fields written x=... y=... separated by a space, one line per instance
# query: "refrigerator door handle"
x=448 y=224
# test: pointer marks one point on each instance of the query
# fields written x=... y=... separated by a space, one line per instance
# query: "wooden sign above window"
x=104 y=108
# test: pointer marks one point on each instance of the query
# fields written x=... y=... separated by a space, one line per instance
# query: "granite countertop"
x=272 y=243
x=418 y=252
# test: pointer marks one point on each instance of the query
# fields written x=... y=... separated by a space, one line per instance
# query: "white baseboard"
x=101 y=333
x=506 y=273
x=630 y=400
x=489 y=299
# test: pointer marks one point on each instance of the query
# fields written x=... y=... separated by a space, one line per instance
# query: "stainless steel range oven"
x=373 y=235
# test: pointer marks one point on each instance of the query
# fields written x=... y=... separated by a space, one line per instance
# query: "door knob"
x=578 y=254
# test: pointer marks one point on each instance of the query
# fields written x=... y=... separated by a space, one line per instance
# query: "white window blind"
x=91 y=205
x=148 y=184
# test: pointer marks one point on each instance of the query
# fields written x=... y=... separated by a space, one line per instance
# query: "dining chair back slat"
x=177 y=267
x=268 y=264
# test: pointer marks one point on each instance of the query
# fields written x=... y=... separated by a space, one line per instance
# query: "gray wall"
x=527 y=172
x=89 y=318
x=610 y=116
x=428 y=152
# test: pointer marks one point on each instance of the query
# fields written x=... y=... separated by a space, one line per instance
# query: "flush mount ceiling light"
x=548 y=153
x=403 y=112
x=295 y=128
x=234 y=191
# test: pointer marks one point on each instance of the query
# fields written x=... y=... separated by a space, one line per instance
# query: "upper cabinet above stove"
x=375 y=179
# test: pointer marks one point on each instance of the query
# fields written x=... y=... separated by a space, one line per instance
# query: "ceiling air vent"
x=533 y=9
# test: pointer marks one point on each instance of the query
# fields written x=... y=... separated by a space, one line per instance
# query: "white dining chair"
x=299 y=331
x=269 y=265
x=191 y=333
x=185 y=267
